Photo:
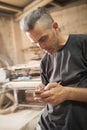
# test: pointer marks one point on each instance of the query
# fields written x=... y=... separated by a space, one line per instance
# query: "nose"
x=42 y=45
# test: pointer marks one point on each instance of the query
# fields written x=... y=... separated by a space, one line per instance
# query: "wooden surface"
x=20 y=120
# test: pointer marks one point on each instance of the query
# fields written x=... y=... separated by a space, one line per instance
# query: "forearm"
x=77 y=94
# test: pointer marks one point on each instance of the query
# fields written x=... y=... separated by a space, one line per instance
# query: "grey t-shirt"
x=69 y=67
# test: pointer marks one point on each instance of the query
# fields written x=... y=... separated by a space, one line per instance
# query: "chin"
x=51 y=53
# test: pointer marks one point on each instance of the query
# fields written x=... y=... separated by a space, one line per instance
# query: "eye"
x=43 y=39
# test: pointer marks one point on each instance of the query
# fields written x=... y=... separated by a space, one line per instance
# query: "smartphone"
x=38 y=92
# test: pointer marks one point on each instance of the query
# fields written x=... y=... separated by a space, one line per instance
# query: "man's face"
x=44 y=37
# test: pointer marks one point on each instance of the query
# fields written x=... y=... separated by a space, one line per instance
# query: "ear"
x=55 y=25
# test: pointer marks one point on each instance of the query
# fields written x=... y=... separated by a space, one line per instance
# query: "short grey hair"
x=41 y=14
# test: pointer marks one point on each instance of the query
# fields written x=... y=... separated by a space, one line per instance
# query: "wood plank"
x=33 y=6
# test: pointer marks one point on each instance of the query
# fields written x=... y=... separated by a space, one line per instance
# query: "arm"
x=77 y=94
x=55 y=94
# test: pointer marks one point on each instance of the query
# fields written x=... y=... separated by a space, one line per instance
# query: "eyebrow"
x=40 y=39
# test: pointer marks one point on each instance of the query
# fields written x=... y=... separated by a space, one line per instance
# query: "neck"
x=62 y=38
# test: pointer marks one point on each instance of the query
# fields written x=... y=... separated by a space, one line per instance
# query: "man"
x=63 y=73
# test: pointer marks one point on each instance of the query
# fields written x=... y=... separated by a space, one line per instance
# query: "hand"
x=53 y=93
x=40 y=87
x=38 y=90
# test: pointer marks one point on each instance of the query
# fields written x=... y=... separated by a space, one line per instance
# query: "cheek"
x=52 y=38
x=52 y=42
x=55 y=40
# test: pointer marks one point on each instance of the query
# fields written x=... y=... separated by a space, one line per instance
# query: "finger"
x=50 y=100
x=50 y=85
x=37 y=93
x=39 y=87
x=38 y=99
x=46 y=94
x=47 y=100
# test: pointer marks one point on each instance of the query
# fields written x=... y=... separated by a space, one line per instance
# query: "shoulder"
x=78 y=37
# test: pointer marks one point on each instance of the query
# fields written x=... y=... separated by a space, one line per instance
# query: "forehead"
x=38 y=31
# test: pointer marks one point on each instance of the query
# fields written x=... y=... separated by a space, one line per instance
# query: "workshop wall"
x=72 y=18
x=10 y=40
